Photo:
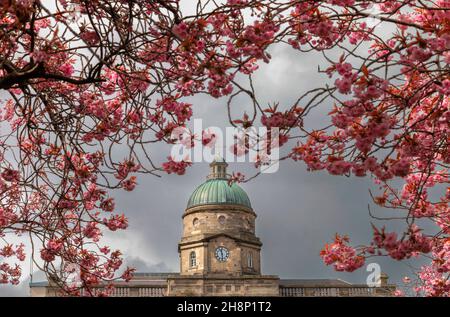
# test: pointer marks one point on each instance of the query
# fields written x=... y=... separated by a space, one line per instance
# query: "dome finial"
x=218 y=168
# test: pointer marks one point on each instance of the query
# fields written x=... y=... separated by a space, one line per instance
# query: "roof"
x=218 y=192
x=138 y=277
x=207 y=237
x=143 y=278
x=156 y=274
x=313 y=282
x=39 y=284
x=218 y=159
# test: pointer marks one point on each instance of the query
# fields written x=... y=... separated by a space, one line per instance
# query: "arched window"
x=192 y=259
x=250 y=259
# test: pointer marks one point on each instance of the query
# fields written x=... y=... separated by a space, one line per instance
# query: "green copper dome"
x=217 y=191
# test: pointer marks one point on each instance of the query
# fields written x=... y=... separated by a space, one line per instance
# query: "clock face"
x=222 y=254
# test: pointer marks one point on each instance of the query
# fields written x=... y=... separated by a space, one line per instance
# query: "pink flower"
x=67 y=69
x=342 y=256
x=175 y=167
x=181 y=110
x=181 y=30
x=10 y=175
x=208 y=139
x=401 y=167
x=39 y=56
x=390 y=240
x=129 y=184
x=128 y=274
x=418 y=54
x=116 y=222
x=398 y=293
x=344 y=84
x=108 y=205
x=444 y=88
x=236 y=177
x=364 y=144
x=92 y=232
x=344 y=69
x=90 y=37
x=339 y=167
x=341 y=120
x=54 y=246
x=371 y=164
x=359 y=170
x=104 y=250
x=126 y=167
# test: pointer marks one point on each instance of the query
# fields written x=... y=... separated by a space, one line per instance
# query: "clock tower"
x=219 y=251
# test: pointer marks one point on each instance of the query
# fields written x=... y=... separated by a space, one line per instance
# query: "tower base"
x=223 y=285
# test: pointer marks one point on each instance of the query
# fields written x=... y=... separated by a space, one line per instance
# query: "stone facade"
x=158 y=285
x=220 y=255
x=224 y=285
x=207 y=228
x=142 y=285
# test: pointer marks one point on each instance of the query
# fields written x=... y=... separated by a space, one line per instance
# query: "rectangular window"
x=192 y=259
x=250 y=259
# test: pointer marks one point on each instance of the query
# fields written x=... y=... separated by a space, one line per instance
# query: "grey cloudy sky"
x=298 y=211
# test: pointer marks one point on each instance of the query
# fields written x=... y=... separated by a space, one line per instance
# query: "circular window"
x=195 y=222
x=221 y=220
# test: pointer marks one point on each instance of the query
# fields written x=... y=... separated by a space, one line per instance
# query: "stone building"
x=220 y=255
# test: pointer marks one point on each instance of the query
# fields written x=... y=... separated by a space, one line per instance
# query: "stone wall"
x=205 y=228
x=213 y=219
x=223 y=286
x=200 y=250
